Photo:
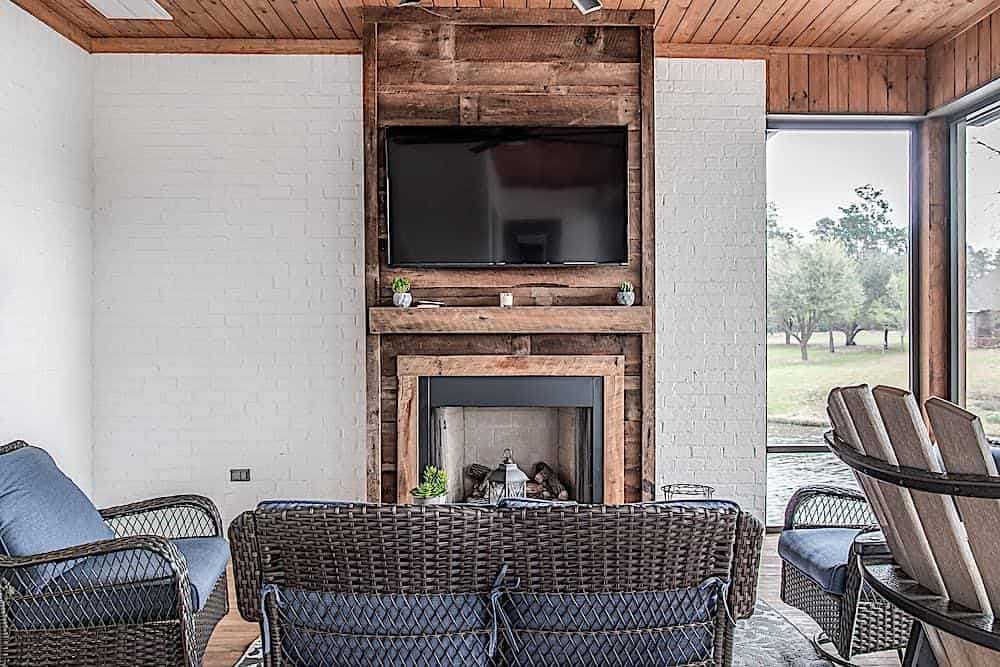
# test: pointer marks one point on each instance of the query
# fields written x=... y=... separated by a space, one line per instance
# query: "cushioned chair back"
x=603 y=567
x=42 y=510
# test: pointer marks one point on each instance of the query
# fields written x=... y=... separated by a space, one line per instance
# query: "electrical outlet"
x=239 y=475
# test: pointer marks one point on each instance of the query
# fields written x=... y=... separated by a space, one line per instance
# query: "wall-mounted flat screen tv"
x=511 y=196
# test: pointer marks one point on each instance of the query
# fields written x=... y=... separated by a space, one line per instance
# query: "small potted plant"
x=433 y=490
x=401 y=297
x=626 y=294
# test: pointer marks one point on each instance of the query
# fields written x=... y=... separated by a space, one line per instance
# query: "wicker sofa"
x=352 y=584
x=139 y=584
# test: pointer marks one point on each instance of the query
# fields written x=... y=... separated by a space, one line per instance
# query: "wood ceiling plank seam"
x=823 y=22
x=693 y=18
x=798 y=25
x=844 y=22
x=743 y=10
x=286 y=11
x=183 y=20
x=310 y=12
x=224 y=18
x=901 y=15
x=782 y=18
x=352 y=10
x=917 y=21
x=777 y=82
x=86 y=17
x=958 y=65
x=995 y=44
x=296 y=21
x=265 y=13
x=854 y=36
x=132 y=28
x=627 y=5
x=200 y=15
x=337 y=18
x=972 y=58
x=984 y=51
x=166 y=29
x=670 y=17
x=764 y=12
x=956 y=22
x=721 y=10
x=247 y=18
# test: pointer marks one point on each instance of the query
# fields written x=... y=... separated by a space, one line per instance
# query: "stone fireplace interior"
x=553 y=425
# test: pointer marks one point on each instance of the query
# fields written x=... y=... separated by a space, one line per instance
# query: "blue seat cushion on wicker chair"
x=42 y=510
x=819 y=553
x=133 y=586
x=348 y=630
x=652 y=628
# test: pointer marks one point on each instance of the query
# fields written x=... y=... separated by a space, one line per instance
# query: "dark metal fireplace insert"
x=585 y=394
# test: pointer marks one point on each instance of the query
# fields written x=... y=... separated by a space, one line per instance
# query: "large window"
x=977 y=148
x=838 y=299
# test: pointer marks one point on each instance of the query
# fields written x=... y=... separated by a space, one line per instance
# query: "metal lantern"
x=507 y=481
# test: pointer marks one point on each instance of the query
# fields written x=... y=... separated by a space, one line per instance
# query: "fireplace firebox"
x=553 y=424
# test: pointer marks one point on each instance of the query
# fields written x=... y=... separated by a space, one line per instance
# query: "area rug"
x=766 y=640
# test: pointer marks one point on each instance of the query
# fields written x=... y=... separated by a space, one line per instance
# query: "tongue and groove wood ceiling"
x=335 y=25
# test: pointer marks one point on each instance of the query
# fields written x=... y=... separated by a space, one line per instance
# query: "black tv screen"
x=507 y=196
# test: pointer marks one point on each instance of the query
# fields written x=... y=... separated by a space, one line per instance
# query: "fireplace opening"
x=553 y=425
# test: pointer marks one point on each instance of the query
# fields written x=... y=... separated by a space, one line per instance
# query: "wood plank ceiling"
x=848 y=24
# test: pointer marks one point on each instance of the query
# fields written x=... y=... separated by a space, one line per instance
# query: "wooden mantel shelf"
x=520 y=319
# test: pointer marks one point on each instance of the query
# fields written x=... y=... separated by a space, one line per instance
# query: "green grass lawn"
x=796 y=389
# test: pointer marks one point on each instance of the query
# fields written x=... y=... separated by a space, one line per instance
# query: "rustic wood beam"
x=41 y=11
x=526 y=319
x=508 y=16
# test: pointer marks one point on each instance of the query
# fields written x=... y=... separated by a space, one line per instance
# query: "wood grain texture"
x=534 y=68
x=611 y=368
x=527 y=319
x=846 y=81
x=719 y=25
x=964 y=62
x=934 y=243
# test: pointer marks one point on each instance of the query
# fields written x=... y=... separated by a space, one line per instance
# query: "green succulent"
x=400 y=285
x=435 y=484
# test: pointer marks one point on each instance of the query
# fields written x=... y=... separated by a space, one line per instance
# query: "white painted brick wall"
x=710 y=277
x=228 y=289
x=45 y=242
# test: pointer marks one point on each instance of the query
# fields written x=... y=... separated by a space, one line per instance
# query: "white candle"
x=506 y=300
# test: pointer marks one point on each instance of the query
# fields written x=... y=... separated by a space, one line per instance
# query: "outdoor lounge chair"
x=140 y=585
x=943 y=558
x=653 y=584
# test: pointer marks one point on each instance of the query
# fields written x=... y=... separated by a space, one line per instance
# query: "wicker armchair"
x=651 y=584
x=853 y=617
x=149 y=594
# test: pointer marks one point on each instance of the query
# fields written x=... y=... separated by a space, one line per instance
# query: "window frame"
x=984 y=110
x=778 y=123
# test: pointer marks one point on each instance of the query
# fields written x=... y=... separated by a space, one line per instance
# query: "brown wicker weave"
x=142 y=531
x=553 y=550
x=861 y=621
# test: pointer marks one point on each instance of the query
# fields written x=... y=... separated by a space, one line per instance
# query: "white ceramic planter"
x=436 y=500
x=402 y=299
x=626 y=298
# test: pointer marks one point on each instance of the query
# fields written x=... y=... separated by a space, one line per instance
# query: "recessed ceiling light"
x=131 y=9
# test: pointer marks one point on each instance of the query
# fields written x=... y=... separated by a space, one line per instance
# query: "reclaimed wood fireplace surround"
x=510 y=67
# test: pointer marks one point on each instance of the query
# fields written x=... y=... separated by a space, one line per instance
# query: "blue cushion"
x=654 y=628
x=346 y=630
x=819 y=553
x=42 y=510
x=125 y=587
